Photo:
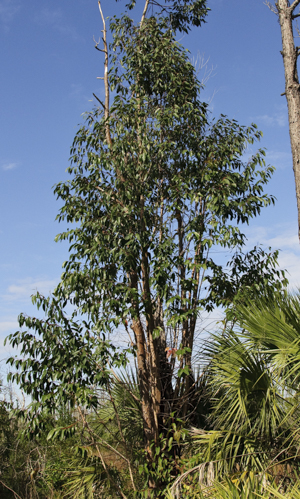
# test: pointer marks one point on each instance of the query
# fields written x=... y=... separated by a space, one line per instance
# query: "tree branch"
x=15 y=494
x=145 y=11
x=294 y=5
x=96 y=45
x=271 y=7
x=113 y=197
x=100 y=101
x=106 y=84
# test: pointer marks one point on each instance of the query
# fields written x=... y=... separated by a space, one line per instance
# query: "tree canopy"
x=156 y=187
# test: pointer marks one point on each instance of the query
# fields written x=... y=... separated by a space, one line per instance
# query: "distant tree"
x=285 y=10
x=155 y=187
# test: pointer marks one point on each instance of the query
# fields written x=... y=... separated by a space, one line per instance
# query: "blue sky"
x=48 y=73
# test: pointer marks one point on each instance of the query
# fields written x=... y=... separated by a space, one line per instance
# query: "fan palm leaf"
x=273 y=324
x=248 y=406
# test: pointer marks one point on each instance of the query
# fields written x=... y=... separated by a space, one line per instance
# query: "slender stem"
x=294 y=5
x=106 y=84
x=145 y=11
x=15 y=494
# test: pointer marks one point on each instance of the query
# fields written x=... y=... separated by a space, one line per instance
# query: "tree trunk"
x=292 y=88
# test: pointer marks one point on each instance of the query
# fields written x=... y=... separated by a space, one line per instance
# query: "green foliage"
x=164 y=156
x=167 y=460
x=251 y=487
x=254 y=274
x=255 y=421
x=155 y=185
x=248 y=408
x=6 y=438
x=253 y=374
x=166 y=163
x=180 y=14
x=62 y=358
x=31 y=468
x=273 y=325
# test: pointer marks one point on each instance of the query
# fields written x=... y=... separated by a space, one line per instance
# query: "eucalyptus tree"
x=286 y=12
x=155 y=186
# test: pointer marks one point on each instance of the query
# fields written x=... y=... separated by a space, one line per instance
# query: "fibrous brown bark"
x=290 y=53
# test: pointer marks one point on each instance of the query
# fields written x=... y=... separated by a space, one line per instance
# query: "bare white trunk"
x=292 y=88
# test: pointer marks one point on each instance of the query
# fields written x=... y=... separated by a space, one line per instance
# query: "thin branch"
x=271 y=7
x=275 y=463
x=100 y=101
x=106 y=84
x=114 y=198
x=145 y=11
x=132 y=344
x=15 y=494
x=294 y=5
x=96 y=45
x=115 y=451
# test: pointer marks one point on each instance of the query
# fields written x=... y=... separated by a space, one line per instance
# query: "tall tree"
x=155 y=186
x=285 y=10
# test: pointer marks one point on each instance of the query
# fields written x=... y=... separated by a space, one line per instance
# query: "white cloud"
x=278 y=118
x=278 y=237
x=279 y=159
x=9 y=166
x=284 y=238
x=54 y=19
x=8 y=9
x=76 y=89
x=291 y=262
x=24 y=288
x=7 y=326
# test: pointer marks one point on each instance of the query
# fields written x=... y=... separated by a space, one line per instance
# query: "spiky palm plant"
x=248 y=486
x=248 y=407
x=253 y=378
x=273 y=326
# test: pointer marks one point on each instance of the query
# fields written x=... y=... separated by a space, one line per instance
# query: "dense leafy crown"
x=154 y=187
x=180 y=14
